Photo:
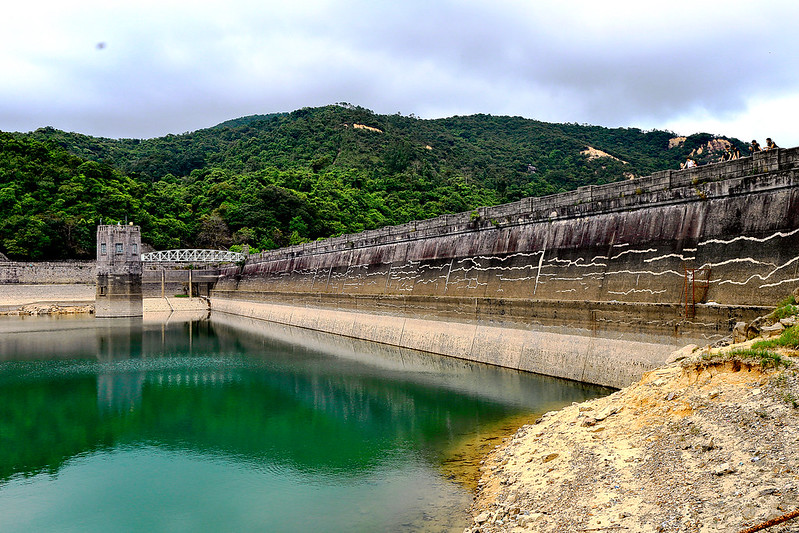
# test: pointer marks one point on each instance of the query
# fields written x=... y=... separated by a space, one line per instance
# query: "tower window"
x=102 y=248
x=119 y=249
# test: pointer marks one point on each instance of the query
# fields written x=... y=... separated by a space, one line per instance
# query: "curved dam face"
x=679 y=252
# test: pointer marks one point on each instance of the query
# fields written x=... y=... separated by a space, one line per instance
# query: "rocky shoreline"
x=49 y=309
x=708 y=442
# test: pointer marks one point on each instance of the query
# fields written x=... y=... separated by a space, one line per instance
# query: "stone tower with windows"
x=119 y=272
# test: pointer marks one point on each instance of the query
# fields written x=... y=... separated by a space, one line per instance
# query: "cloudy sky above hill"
x=148 y=68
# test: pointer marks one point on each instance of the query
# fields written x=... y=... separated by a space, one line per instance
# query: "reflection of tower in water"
x=131 y=354
x=120 y=378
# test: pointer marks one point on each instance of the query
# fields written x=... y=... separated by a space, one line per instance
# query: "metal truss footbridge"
x=192 y=256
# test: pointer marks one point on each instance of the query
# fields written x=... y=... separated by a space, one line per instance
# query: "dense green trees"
x=273 y=180
x=51 y=200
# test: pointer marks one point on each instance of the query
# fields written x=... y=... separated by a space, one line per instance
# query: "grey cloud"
x=433 y=59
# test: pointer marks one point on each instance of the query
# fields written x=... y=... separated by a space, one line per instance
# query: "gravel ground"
x=695 y=446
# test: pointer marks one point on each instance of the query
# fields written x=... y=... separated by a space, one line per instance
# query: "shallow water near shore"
x=240 y=425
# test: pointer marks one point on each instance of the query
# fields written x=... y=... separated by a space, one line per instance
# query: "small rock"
x=606 y=412
x=588 y=422
x=774 y=330
x=550 y=457
x=708 y=445
x=768 y=492
x=739 y=332
x=725 y=468
x=527 y=520
x=682 y=353
x=482 y=517
x=670 y=396
x=788 y=321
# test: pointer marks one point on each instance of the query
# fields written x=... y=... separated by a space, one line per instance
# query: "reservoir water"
x=230 y=424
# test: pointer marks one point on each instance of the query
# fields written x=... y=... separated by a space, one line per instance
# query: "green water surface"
x=229 y=424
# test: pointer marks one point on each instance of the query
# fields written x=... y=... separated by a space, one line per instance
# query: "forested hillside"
x=273 y=180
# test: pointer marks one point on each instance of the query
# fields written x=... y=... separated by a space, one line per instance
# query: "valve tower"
x=119 y=271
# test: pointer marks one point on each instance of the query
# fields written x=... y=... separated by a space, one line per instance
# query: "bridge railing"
x=192 y=256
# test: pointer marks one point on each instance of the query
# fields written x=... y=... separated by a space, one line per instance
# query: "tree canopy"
x=278 y=179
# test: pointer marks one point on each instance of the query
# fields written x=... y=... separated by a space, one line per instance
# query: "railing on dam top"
x=192 y=256
x=661 y=187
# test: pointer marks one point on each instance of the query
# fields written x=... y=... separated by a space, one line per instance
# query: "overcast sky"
x=148 y=68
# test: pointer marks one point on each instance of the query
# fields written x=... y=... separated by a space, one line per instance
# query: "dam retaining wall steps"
x=612 y=362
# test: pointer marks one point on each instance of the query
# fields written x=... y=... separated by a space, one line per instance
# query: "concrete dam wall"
x=686 y=251
x=173 y=278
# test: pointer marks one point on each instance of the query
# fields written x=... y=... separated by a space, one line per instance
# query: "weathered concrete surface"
x=119 y=271
x=586 y=357
x=50 y=272
x=508 y=387
x=636 y=242
x=17 y=295
x=157 y=278
x=693 y=250
x=168 y=305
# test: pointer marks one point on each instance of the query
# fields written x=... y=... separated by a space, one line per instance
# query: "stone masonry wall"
x=48 y=273
x=695 y=250
x=634 y=242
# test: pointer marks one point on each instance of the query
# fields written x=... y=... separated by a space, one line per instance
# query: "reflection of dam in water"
x=195 y=379
x=230 y=425
x=334 y=384
x=122 y=391
x=119 y=393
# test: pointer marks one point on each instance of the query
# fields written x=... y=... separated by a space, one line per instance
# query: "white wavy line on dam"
x=738 y=260
x=468 y=259
x=762 y=278
x=569 y=262
x=633 y=252
x=625 y=293
x=526 y=278
x=492 y=269
x=517 y=254
x=661 y=257
x=779 y=234
x=778 y=283
x=431 y=267
x=651 y=273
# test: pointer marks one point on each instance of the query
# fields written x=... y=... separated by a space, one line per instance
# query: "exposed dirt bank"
x=701 y=444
